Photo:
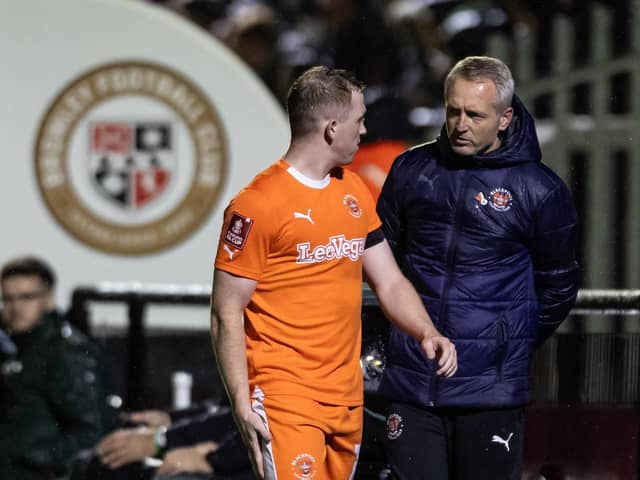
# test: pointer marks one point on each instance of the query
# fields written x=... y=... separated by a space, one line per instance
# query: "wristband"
x=160 y=441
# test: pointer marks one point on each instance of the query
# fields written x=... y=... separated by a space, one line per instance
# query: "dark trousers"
x=454 y=443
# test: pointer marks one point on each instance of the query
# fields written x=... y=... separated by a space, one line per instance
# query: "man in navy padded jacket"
x=487 y=234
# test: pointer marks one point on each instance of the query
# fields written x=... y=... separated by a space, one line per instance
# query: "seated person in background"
x=50 y=395
x=200 y=441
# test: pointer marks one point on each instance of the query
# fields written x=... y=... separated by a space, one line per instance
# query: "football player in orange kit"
x=287 y=291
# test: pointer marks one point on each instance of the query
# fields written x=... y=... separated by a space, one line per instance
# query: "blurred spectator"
x=422 y=49
x=361 y=41
x=201 y=441
x=357 y=38
x=466 y=27
x=50 y=394
x=349 y=34
x=279 y=39
x=201 y=12
x=251 y=29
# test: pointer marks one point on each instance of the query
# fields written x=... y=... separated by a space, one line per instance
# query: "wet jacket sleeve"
x=76 y=397
x=389 y=210
x=203 y=428
x=554 y=259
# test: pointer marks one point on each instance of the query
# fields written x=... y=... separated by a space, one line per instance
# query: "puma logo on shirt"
x=302 y=215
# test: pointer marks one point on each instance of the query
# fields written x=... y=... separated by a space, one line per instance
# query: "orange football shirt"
x=302 y=240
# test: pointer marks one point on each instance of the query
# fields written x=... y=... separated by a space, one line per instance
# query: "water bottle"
x=182 y=383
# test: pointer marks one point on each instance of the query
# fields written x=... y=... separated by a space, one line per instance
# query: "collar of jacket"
x=49 y=325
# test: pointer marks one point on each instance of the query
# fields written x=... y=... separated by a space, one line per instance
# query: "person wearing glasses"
x=50 y=389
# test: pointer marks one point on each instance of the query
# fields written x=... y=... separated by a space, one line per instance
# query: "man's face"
x=472 y=120
x=25 y=299
x=349 y=128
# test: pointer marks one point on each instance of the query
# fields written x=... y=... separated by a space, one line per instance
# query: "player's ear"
x=330 y=131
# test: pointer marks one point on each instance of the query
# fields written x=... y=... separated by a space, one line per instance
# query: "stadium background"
x=575 y=63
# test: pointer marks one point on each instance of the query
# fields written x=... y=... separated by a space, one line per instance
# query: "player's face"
x=349 y=129
x=25 y=299
x=473 y=122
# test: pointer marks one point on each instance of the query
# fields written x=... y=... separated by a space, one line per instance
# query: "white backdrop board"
x=125 y=130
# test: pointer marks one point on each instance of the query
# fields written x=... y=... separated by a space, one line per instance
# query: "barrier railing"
x=587 y=112
x=573 y=367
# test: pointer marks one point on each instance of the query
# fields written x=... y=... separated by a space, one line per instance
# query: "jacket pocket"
x=502 y=338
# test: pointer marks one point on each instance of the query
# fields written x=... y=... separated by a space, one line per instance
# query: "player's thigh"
x=343 y=440
x=416 y=443
x=489 y=445
x=297 y=448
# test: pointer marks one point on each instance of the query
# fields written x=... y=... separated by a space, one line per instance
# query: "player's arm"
x=230 y=296
x=402 y=305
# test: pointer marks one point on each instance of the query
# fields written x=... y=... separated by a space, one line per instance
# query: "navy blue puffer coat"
x=489 y=243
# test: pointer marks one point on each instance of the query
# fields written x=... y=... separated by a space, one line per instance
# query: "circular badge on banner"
x=130 y=157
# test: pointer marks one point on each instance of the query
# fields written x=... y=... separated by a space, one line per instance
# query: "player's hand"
x=187 y=460
x=125 y=446
x=437 y=346
x=254 y=432
x=151 y=418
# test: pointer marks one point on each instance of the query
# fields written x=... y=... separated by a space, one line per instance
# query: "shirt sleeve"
x=374 y=238
x=374 y=220
x=246 y=235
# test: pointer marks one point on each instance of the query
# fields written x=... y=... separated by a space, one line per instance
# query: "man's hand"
x=151 y=418
x=126 y=446
x=253 y=431
x=437 y=346
x=187 y=459
x=402 y=305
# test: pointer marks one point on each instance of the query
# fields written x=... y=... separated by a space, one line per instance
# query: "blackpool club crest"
x=131 y=163
x=500 y=199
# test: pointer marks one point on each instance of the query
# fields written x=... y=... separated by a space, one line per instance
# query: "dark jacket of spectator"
x=50 y=400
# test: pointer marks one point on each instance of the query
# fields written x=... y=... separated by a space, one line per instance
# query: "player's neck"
x=312 y=162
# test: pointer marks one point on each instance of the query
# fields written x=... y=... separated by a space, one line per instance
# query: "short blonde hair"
x=480 y=68
x=315 y=92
